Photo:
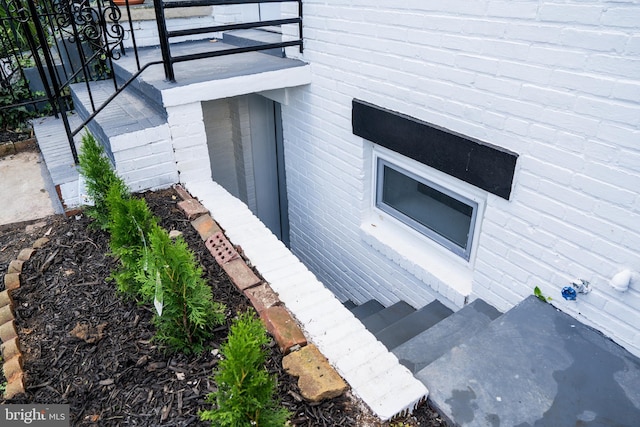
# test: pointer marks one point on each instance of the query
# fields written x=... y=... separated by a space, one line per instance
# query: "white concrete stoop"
x=374 y=374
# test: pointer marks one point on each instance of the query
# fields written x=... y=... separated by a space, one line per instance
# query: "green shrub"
x=100 y=177
x=174 y=277
x=245 y=395
x=129 y=222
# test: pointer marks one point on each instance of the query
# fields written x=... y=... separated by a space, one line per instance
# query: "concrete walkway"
x=27 y=192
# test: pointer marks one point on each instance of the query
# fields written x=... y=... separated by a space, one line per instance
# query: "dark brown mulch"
x=85 y=345
x=7 y=136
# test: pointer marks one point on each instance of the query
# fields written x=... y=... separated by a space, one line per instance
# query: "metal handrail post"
x=164 y=40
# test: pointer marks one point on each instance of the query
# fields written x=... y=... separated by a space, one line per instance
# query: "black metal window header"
x=475 y=162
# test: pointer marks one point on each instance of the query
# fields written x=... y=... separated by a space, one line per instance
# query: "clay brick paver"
x=240 y=274
x=205 y=226
x=284 y=329
x=317 y=380
x=262 y=297
x=184 y=194
x=192 y=208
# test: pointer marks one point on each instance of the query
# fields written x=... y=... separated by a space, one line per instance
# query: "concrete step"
x=413 y=324
x=386 y=317
x=127 y=113
x=349 y=305
x=367 y=309
x=424 y=348
x=536 y=366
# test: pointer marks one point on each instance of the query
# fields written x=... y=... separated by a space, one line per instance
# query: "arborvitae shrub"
x=130 y=222
x=188 y=311
x=100 y=177
x=246 y=391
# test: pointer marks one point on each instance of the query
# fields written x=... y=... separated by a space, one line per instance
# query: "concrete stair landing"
x=532 y=366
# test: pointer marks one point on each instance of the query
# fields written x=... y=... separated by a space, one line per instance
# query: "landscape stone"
x=8 y=331
x=25 y=254
x=317 y=380
x=10 y=348
x=11 y=281
x=6 y=299
x=15 y=266
x=40 y=242
x=6 y=314
x=15 y=386
x=12 y=366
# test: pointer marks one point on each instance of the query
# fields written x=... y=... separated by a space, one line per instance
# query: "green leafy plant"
x=129 y=222
x=185 y=310
x=245 y=395
x=100 y=177
x=538 y=293
x=15 y=117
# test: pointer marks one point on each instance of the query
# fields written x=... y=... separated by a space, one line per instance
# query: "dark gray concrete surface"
x=536 y=366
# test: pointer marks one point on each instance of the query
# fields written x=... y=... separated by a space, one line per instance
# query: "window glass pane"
x=426 y=207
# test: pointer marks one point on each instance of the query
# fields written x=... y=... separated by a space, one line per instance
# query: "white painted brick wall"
x=556 y=81
x=189 y=137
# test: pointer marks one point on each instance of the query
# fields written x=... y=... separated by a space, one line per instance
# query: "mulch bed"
x=84 y=345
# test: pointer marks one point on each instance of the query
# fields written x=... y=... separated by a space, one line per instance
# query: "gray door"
x=246 y=153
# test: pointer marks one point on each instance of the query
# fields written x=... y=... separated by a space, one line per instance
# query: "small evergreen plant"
x=129 y=222
x=100 y=177
x=185 y=310
x=245 y=395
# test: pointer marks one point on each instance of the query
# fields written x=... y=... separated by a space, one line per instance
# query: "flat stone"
x=40 y=242
x=6 y=299
x=184 y=194
x=25 y=254
x=8 y=331
x=205 y=226
x=317 y=380
x=11 y=281
x=262 y=297
x=12 y=366
x=6 y=314
x=10 y=348
x=284 y=328
x=15 y=266
x=29 y=229
x=240 y=274
x=15 y=386
x=192 y=208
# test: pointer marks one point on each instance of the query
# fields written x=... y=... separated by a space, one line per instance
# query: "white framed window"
x=428 y=202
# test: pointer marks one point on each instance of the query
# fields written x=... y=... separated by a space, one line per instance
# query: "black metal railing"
x=165 y=35
x=77 y=41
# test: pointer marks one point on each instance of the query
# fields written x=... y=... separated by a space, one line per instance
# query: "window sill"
x=444 y=272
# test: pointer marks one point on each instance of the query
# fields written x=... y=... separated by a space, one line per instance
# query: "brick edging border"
x=11 y=353
x=275 y=316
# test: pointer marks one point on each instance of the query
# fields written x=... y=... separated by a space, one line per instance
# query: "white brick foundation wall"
x=556 y=82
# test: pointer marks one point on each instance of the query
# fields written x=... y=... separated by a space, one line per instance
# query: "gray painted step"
x=128 y=112
x=429 y=345
x=536 y=366
x=349 y=305
x=384 y=318
x=367 y=309
x=413 y=324
x=253 y=37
